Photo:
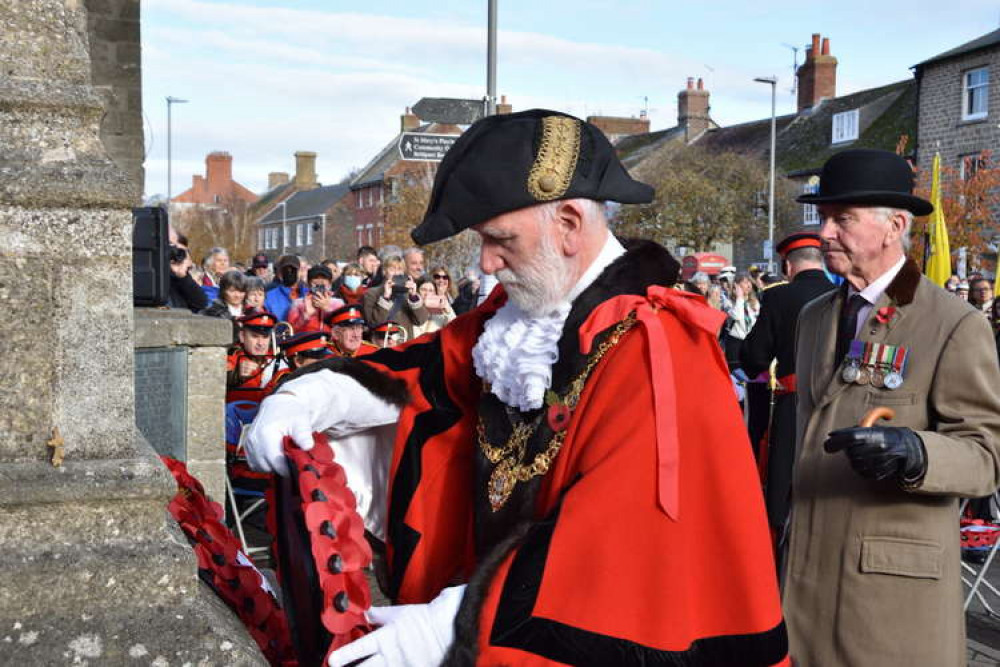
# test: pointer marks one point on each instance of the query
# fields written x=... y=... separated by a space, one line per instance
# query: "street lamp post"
x=170 y=102
x=773 y=82
x=491 y=60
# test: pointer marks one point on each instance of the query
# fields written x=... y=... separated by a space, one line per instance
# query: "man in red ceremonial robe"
x=554 y=496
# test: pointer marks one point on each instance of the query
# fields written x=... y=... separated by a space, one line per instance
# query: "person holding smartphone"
x=396 y=298
x=311 y=312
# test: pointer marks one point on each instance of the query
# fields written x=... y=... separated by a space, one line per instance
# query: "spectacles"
x=439 y=276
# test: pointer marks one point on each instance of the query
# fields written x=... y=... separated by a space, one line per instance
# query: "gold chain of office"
x=510 y=469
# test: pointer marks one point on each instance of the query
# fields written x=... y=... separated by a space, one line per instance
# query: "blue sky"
x=265 y=78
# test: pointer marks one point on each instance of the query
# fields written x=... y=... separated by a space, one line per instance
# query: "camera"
x=399 y=285
x=177 y=254
x=319 y=290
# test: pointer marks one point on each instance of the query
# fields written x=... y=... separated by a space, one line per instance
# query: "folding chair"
x=242 y=483
x=980 y=536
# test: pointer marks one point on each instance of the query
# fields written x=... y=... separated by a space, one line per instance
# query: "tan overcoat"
x=872 y=573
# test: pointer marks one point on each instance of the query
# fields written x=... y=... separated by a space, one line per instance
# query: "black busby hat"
x=507 y=162
x=868 y=177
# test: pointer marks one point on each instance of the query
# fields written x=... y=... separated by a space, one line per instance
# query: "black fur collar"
x=387 y=388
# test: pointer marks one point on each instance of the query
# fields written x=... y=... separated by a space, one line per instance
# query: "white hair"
x=885 y=212
x=592 y=209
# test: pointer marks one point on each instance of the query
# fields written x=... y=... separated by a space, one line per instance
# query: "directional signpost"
x=425 y=147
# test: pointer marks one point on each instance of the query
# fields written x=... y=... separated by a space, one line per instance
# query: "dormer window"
x=975 y=93
x=845 y=126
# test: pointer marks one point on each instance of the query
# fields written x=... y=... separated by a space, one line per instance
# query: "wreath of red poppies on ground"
x=226 y=569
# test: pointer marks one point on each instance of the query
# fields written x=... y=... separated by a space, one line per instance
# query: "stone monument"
x=93 y=569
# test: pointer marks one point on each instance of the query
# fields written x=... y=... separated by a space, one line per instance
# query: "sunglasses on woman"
x=441 y=276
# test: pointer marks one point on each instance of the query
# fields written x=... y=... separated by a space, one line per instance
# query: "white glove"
x=412 y=635
x=321 y=401
x=279 y=415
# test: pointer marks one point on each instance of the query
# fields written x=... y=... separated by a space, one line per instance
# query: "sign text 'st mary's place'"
x=425 y=147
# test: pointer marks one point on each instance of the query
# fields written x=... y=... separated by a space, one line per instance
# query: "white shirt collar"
x=611 y=251
x=876 y=288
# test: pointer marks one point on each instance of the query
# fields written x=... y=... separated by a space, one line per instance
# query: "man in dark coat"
x=773 y=337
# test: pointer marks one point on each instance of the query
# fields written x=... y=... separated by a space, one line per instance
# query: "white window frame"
x=845 y=126
x=969 y=89
x=300 y=234
x=309 y=233
x=810 y=216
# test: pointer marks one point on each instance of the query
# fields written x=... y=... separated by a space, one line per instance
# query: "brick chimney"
x=408 y=121
x=305 y=170
x=276 y=178
x=218 y=171
x=692 y=109
x=503 y=107
x=817 y=75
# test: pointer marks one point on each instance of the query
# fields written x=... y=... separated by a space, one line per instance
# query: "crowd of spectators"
x=391 y=288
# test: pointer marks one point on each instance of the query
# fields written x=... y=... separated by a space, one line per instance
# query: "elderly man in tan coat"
x=873 y=563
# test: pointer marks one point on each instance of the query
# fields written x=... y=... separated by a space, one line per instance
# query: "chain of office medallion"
x=516 y=445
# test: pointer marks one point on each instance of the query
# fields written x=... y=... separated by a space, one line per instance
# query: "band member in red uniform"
x=569 y=453
x=301 y=350
x=251 y=362
x=347 y=328
x=388 y=334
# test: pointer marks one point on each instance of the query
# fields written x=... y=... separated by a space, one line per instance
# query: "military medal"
x=894 y=379
x=864 y=376
x=852 y=363
x=850 y=372
x=879 y=367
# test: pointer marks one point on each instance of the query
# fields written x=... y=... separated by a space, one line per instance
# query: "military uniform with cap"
x=346 y=317
x=873 y=564
x=301 y=350
x=772 y=339
x=260 y=322
x=569 y=520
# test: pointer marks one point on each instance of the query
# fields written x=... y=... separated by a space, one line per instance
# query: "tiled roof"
x=804 y=138
x=308 y=202
x=986 y=41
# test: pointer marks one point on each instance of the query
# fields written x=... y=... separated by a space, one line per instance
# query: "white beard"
x=541 y=284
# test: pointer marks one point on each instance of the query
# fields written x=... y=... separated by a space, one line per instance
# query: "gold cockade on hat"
x=555 y=164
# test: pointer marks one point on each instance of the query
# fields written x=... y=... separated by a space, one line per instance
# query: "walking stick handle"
x=875 y=414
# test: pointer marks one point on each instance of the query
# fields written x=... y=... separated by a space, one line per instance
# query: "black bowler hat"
x=868 y=177
x=507 y=162
x=796 y=241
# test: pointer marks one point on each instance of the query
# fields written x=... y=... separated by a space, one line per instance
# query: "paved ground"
x=982 y=628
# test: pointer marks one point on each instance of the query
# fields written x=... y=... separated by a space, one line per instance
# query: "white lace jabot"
x=515 y=352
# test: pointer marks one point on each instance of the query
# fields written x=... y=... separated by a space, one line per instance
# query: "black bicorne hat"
x=868 y=177
x=507 y=162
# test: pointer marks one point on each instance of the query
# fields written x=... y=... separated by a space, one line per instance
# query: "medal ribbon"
x=899 y=360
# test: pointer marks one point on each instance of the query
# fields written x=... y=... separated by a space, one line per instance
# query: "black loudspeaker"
x=150 y=257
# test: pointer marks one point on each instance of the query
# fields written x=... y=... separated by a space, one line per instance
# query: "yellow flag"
x=938 y=267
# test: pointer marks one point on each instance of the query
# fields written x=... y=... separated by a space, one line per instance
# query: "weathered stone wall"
x=940 y=126
x=116 y=73
x=93 y=571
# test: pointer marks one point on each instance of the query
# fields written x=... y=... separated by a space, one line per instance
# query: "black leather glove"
x=881 y=452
